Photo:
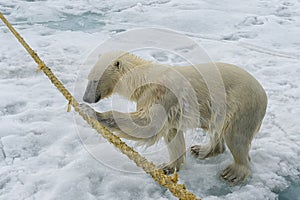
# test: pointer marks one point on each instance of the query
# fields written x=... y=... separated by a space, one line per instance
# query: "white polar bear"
x=161 y=112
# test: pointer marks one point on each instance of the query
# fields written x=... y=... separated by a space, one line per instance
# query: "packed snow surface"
x=47 y=153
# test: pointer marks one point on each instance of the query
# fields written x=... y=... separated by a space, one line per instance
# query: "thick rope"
x=178 y=190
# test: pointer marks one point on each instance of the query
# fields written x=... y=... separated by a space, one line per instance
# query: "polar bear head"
x=106 y=73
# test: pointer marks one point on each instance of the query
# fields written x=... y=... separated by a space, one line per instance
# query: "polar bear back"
x=242 y=90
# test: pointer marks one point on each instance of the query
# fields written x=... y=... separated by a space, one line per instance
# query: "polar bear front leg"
x=88 y=110
x=176 y=148
x=104 y=118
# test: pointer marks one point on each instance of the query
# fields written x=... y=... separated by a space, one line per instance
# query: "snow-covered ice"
x=41 y=153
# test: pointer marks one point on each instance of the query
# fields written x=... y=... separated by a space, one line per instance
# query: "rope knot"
x=69 y=105
x=175 y=176
x=40 y=67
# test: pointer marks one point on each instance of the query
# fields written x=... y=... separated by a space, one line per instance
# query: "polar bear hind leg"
x=238 y=137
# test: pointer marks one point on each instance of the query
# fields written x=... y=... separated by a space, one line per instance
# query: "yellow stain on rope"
x=178 y=190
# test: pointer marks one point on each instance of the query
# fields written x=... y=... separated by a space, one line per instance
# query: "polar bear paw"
x=201 y=152
x=235 y=173
x=206 y=151
x=88 y=110
x=168 y=168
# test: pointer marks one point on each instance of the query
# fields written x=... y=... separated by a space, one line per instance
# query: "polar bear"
x=163 y=97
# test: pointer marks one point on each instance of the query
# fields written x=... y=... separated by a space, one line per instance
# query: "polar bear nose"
x=88 y=99
x=90 y=95
x=91 y=98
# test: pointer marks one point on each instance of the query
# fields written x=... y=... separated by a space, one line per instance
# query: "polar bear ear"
x=117 y=64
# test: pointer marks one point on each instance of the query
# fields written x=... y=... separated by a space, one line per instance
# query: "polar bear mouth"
x=91 y=98
x=97 y=98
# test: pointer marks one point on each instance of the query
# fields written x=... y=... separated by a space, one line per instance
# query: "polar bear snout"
x=90 y=95
x=91 y=98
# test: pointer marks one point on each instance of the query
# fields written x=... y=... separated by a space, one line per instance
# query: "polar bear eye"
x=117 y=64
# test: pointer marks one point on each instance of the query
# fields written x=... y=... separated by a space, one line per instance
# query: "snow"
x=47 y=153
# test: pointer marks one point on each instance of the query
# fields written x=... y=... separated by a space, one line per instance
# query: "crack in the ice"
x=259 y=49
x=2 y=149
x=3 y=152
x=273 y=117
